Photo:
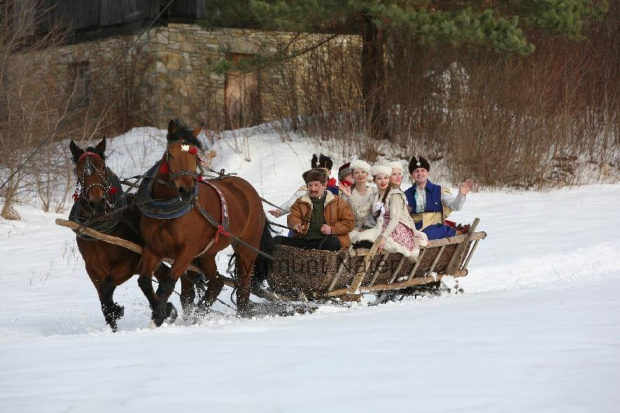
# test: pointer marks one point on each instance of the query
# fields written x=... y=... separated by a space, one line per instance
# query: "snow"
x=537 y=328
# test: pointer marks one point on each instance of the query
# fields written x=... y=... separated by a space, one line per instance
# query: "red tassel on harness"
x=221 y=231
x=199 y=178
x=163 y=169
x=193 y=150
x=76 y=196
x=112 y=190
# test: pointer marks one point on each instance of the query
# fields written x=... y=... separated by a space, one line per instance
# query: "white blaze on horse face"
x=185 y=148
x=88 y=168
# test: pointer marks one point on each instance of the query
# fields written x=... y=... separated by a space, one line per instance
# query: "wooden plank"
x=384 y=256
x=361 y=275
x=112 y=240
x=343 y=265
x=414 y=269
x=435 y=261
x=471 y=253
x=138 y=249
x=439 y=242
x=398 y=267
x=386 y=287
x=455 y=262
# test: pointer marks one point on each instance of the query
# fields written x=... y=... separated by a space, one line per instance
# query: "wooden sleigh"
x=313 y=274
x=302 y=275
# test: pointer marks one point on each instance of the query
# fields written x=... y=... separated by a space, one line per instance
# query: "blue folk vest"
x=433 y=198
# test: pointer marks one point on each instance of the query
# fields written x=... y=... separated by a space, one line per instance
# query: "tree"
x=29 y=109
x=501 y=26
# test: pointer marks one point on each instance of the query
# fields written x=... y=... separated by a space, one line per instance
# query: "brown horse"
x=101 y=205
x=223 y=211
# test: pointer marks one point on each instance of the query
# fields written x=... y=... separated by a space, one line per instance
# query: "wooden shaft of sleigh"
x=138 y=249
x=121 y=243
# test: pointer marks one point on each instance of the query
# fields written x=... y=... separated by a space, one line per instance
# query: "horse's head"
x=90 y=170
x=181 y=157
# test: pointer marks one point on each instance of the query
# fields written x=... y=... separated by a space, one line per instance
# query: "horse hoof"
x=157 y=321
x=120 y=312
x=171 y=313
x=117 y=312
x=245 y=312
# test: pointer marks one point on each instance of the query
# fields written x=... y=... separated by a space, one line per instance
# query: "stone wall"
x=169 y=72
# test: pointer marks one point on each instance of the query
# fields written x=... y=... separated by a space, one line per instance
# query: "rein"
x=88 y=169
x=172 y=176
x=107 y=221
x=223 y=228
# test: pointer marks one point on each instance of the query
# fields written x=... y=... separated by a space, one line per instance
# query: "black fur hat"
x=321 y=162
x=418 y=162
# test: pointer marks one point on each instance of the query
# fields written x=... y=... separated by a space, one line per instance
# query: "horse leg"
x=245 y=264
x=215 y=282
x=163 y=308
x=111 y=311
x=148 y=263
x=188 y=292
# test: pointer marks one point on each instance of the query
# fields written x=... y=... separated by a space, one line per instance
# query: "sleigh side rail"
x=328 y=274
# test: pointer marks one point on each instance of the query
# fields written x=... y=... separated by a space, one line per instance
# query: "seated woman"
x=396 y=178
x=360 y=196
x=395 y=228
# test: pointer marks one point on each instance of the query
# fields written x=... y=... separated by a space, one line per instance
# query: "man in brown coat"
x=319 y=219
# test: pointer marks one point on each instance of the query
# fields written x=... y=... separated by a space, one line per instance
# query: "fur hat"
x=321 y=162
x=359 y=164
x=396 y=165
x=315 y=174
x=344 y=170
x=381 y=169
x=418 y=162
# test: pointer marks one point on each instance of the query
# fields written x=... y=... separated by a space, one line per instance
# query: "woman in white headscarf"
x=360 y=196
x=395 y=230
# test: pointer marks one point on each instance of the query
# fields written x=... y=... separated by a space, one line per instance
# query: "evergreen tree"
x=501 y=25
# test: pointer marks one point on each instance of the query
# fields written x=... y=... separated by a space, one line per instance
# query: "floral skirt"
x=401 y=234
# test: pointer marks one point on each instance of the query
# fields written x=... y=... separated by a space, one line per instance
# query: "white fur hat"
x=359 y=164
x=397 y=165
x=381 y=169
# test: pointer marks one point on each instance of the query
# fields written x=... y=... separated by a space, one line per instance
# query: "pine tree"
x=501 y=25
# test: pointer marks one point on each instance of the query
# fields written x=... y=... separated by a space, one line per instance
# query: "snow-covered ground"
x=537 y=329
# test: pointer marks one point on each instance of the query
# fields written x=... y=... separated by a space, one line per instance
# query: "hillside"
x=537 y=328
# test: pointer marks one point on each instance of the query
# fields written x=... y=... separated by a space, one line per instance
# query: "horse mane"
x=183 y=134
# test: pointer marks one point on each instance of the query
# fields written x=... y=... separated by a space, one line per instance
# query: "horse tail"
x=262 y=265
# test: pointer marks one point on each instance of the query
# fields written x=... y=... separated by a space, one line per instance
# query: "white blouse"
x=362 y=205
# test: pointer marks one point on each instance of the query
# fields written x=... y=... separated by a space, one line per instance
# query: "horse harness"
x=113 y=195
x=224 y=227
x=177 y=206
